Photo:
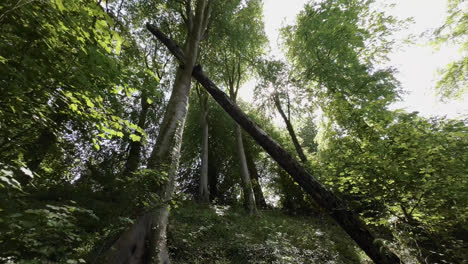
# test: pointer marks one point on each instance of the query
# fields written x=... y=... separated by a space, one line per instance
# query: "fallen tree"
x=337 y=208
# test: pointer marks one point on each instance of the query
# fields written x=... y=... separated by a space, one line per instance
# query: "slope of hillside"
x=217 y=234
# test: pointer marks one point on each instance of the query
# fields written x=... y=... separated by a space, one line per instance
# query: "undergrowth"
x=218 y=234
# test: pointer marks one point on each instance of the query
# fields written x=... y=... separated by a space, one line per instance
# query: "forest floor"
x=222 y=234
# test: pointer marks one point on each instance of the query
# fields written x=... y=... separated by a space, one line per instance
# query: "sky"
x=417 y=63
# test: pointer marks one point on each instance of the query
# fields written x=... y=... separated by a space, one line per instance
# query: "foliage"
x=454 y=78
x=412 y=175
x=221 y=234
x=222 y=151
x=334 y=48
x=58 y=70
x=84 y=88
x=235 y=41
x=67 y=75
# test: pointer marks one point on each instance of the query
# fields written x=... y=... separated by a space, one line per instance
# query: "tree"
x=334 y=48
x=88 y=168
x=166 y=151
x=276 y=82
x=65 y=80
x=402 y=179
x=231 y=59
x=204 y=193
x=77 y=47
x=454 y=78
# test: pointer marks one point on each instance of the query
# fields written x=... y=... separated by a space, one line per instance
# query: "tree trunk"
x=290 y=129
x=213 y=176
x=257 y=189
x=164 y=159
x=134 y=154
x=204 y=193
x=131 y=247
x=249 y=199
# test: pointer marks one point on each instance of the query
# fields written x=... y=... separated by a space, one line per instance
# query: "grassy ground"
x=216 y=234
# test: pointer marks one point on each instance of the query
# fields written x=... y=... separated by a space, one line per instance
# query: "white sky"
x=417 y=63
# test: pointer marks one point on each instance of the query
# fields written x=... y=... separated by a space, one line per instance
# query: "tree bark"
x=249 y=199
x=290 y=129
x=337 y=208
x=213 y=176
x=166 y=152
x=131 y=247
x=257 y=189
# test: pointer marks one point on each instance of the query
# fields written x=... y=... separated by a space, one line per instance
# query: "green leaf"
x=59 y=4
x=89 y=103
x=73 y=107
x=135 y=138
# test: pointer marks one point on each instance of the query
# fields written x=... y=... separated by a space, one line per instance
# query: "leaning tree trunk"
x=337 y=208
x=164 y=159
x=249 y=199
x=204 y=193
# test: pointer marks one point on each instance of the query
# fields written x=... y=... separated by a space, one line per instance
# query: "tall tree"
x=231 y=59
x=204 y=193
x=274 y=89
x=166 y=151
x=335 y=49
x=164 y=158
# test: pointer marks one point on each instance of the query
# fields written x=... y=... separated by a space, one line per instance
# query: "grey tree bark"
x=249 y=199
x=203 y=193
x=337 y=208
x=233 y=84
x=255 y=179
x=166 y=152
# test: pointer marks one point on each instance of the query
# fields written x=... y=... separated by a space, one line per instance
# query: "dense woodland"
x=122 y=127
